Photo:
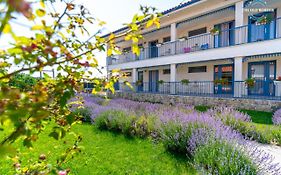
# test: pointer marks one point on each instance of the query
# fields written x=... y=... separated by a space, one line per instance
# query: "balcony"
x=225 y=38
x=236 y=89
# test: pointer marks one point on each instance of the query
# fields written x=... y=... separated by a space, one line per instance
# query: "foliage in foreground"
x=24 y=82
x=183 y=130
x=104 y=153
x=54 y=42
x=129 y=125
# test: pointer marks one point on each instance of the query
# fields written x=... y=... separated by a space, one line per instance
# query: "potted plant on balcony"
x=160 y=82
x=278 y=78
x=159 y=45
x=222 y=81
x=250 y=82
x=265 y=19
x=139 y=83
x=182 y=38
x=215 y=31
x=185 y=82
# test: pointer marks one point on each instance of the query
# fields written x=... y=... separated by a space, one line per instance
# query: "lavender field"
x=218 y=141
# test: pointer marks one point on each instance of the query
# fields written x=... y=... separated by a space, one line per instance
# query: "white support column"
x=135 y=75
x=278 y=23
x=173 y=37
x=173 y=74
x=239 y=21
x=239 y=88
x=173 y=32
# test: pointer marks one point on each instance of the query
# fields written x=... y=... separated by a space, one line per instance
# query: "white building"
x=208 y=47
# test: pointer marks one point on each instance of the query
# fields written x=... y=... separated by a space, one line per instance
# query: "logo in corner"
x=254 y=7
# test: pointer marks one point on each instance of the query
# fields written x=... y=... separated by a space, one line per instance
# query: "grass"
x=259 y=117
x=107 y=153
x=261 y=127
x=202 y=108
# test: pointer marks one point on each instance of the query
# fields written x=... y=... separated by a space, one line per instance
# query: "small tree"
x=55 y=42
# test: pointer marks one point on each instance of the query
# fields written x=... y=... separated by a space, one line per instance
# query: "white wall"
x=257 y=48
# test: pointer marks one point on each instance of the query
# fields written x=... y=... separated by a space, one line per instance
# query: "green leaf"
x=149 y=23
x=6 y=150
x=7 y=29
x=40 y=12
x=27 y=143
x=38 y=27
x=70 y=118
x=55 y=135
x=136 y=49
x=66 y=96
x=14 y=51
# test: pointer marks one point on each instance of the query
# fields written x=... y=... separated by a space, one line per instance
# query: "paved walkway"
x=272 y=150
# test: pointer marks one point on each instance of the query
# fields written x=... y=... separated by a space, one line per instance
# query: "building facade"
x=228 y=48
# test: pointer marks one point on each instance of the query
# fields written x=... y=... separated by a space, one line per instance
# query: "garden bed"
x=217 y=141
x=106 y=153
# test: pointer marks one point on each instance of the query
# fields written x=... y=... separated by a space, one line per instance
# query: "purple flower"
x=277 y=117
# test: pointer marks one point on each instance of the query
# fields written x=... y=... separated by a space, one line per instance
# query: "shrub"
x=209 y=138
x=219 y=157
x=276 y=136
x=277 y=117
x=84 y=113
x=185 y=81
x=128 y=124
x=22 y=81
x=174 y=136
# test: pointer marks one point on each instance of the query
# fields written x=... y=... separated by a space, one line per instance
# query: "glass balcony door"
x=140 y=81
x=226 y=37
x=153 y=49
x=264 y=74
x=259 y=31
x=153 y=80
x=223 y=76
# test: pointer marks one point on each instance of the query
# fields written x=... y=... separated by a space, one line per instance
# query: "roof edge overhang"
x=167 y=12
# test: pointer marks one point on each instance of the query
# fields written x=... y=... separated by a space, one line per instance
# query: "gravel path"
x=273 y=150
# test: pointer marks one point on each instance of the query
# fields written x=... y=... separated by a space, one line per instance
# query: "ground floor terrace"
x=243 y=77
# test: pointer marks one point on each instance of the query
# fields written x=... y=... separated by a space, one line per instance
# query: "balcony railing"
x=237 y=89
x=236 y=36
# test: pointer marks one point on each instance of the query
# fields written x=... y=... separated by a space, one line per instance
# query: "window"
x=166 y=39
x=128 y=74
x=127 y=49
x=197 y=69
x=166 y=71
x=197 y=32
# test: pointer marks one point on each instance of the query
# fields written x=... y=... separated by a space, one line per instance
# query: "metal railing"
x=270 y=90
x=236 y=36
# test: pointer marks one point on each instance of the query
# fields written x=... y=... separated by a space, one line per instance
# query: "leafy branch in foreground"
x=55 y=42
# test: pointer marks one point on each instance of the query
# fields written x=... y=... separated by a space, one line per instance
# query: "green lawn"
x=108 y=153
x=259 y=117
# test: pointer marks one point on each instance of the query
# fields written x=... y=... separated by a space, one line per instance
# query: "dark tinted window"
x=127 y=49
x=166 y=39
x=166 y=71
x=128 y=74
x=197 y=32
x=197 y=69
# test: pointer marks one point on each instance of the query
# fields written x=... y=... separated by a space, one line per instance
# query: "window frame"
x=166 y=71
x=199 y=31
x=198 y=69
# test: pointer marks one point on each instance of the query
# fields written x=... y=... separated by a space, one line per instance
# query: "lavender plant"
x=277 y=117
x=212 y=139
